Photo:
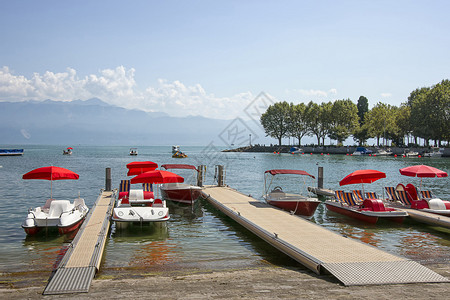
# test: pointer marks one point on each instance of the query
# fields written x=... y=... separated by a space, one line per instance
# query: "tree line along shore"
x=425 y=116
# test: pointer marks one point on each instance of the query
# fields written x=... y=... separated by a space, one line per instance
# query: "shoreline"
x=265 y=282
x=342 y=150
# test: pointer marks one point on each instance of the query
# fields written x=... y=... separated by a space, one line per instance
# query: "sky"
x=214 y=58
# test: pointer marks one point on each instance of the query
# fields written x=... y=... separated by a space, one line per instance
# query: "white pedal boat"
x=56 y=214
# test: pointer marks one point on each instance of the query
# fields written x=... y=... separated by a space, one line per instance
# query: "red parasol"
x=51 y=173
x=422 y=171
x=362 y=176
x=139 y=167
x=69 y=148
x=157 y=177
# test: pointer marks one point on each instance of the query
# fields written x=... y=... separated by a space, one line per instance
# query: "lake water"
x=200 y=238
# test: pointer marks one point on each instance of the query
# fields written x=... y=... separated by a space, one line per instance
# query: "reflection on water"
x=44 y=251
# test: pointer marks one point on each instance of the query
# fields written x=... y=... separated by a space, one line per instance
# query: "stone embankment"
x=331 y=149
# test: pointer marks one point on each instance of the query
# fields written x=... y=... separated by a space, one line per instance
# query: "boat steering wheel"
x=277 y=189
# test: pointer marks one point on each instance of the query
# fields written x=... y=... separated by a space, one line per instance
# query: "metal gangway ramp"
x=319 y=249
x=81 y=262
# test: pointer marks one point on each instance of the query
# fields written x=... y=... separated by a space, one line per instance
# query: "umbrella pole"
x=51 y=186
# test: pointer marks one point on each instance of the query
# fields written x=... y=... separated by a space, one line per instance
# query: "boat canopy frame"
x=275 y=172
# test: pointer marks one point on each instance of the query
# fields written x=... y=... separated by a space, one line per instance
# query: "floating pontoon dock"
x=428 y=218
x=350 y=261
x=81 y=262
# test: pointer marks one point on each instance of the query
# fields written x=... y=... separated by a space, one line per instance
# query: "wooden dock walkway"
x=81 y=262
x=350 y=261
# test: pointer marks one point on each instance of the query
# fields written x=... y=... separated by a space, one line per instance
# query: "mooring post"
x=200 y=169
x=108 y=179
x=320 y=178
x=220 y=175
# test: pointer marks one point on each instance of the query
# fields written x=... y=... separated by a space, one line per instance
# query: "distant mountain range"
x=94 y=122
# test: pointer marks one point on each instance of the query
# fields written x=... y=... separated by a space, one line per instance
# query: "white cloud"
x=312 y=94
x=118 y=87
x=386 y=95
x=178 y=99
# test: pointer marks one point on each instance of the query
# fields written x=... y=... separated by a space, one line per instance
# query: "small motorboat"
x=179 y=154
x=175 y=149
x=363 y=206
x=436 y=152
x=295 y=150
x=11 y=152
x=383 y=152
x=302 y=204
x=362 y=151
x=133 y=151
x=63 y=215
x=409 y=153
x=179 y=191
x=68 y=151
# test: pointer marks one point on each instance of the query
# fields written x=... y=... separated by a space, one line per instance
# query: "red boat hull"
x=70 y=228
x=62 y=230
x=302 y=208
x=31 y=230
x=184 y=195
x=353 y=214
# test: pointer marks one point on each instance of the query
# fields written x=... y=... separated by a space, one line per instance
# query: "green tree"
x=275 y=120
x=430 y=110
x=363 y=108
x=298 y=126
x=402 y=122
x=318 y=119
x=380 y=121
x=416 y=102
x=345 y=120
x=361 y=133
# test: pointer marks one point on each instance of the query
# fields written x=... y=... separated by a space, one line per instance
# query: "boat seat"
x=57 y=207
x=426 y=194
x=437 y=204
x=47 y=204
x=403 y=197
x=158 y=203
x=391 y=193
x=345 y=197
x=124 y=186
x=147 y=187
x=357 y=195
x=371 y=195
x=412 y=192
x=375 y=205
